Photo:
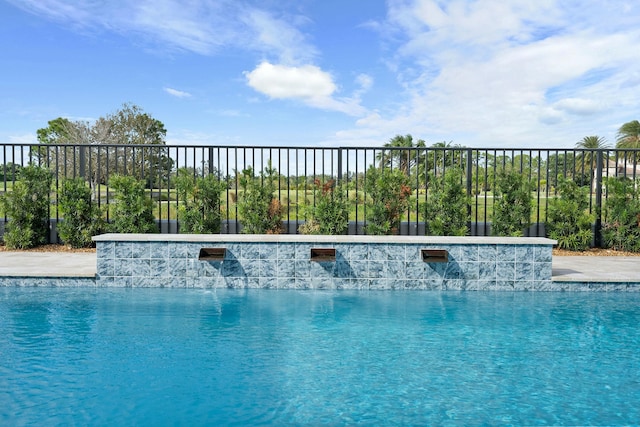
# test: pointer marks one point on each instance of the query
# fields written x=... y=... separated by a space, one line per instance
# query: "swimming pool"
x=261 y=357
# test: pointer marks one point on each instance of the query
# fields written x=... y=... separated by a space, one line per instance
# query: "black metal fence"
x=299 y=167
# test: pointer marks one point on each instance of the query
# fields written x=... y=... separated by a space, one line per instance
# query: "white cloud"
x=273 y=34
x=489 y=72
x=280 y=81
x=480 y=72
x=75 y=13
x=202 y=26
x=372 y=120
x=177 y=93
x=306 y=83
x=365 y=83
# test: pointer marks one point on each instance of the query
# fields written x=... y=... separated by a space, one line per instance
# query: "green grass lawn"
x=297 y=202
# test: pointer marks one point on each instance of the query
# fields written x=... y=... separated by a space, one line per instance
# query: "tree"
x=129 y=125
x=58 y=132
x=593 y=142
x=442 y=156
x=398 y=158
x=566 y=165
x=590 y=144
x=629 y=135
x=60 y=160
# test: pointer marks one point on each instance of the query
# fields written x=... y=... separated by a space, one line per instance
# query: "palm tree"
x=629 y=135
x=401 y=159
x=593 y=143
x=588 y=158
x=444 y=155
x=590 y=144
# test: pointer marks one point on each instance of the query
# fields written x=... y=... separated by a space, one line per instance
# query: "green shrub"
x=512 y=204
x=621 y=229
x=260 y=211
x=82 y=219
x=567 y=219
x=200 y=211
x=446 y=211
x=330 y=215
x=132 y=209
x=388 y=194
x=27 y=207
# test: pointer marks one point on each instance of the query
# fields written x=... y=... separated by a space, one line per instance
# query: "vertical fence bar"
x=4 y=173
x=478 y=188
x=83 y=161
x=210 y=166
x=469 y=183
x=235 y=160
x=56 y=149
x=357 y=189
x=339 y=175
x=546 y=186
x=598 y=224
x=297 y=188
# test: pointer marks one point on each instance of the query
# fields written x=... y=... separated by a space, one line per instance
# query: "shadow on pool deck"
x=565 y=268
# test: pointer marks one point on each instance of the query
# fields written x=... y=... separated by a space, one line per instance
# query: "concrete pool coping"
x=567 y=269
x=293 y=238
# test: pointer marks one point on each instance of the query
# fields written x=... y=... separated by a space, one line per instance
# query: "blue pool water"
x=259 y=357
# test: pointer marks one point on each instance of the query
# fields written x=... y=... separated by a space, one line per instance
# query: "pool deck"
x=47 y=264
x=565 y=268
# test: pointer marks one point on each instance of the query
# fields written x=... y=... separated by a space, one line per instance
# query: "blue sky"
x=483 y=73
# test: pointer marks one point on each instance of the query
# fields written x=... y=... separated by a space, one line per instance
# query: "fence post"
x=83 y=161
x=210 y=160
x=469 y=178
x=597 y=237
x=339 y=165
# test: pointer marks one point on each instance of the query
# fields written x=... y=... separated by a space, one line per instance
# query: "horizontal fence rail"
x=300 y=169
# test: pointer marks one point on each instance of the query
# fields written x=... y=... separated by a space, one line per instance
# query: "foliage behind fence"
x=299 y=169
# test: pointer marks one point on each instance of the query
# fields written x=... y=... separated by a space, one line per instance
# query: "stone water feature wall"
x=324 y=262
